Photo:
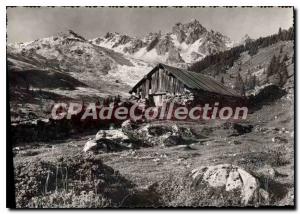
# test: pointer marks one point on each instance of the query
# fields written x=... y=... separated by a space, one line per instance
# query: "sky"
x=27 y=24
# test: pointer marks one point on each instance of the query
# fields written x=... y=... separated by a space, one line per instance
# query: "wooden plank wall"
x=160 y=82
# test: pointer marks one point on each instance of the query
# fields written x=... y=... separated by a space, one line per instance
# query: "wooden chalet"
x=164 y=81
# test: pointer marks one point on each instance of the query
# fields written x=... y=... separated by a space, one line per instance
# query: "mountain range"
x=111 y=63
x=68 y=66
x=186 y=43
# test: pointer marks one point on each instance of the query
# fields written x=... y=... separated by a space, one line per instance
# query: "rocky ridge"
x=186 y=43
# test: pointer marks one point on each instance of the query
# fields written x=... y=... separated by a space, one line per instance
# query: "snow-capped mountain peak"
x=186 y=43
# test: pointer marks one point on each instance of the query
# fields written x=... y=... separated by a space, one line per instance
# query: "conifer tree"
x=222 y=80
x=239 y=85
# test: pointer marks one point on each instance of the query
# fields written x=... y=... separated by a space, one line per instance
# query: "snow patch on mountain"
x=129 y=74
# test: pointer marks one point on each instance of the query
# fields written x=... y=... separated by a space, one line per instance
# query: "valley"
x=151 y=163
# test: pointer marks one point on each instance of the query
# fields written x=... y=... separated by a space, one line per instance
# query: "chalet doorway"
x=159 y=99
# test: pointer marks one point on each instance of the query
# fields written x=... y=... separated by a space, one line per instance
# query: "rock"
x=137 y=133
x=170 y=136
x=242 y=128
x=233 y=178
x=172 y=140
x=264 y=195
x=158 y=134
x=179 y=32
x=174 y=56
x=100 y=134
x=126 y=123
x=113 y=134
x=279 y=140
x=116 y=134
x=267 y=172
x=275 y=129
x=236 y=129
x=90 y=145
x=112 y=140
x=126 y=126
x=135 y=45
x=107 y=145
x=153 y=40
x=16 y=148
x=261 y=129
x=194 y=31
x=108 y=140
x=164 y=45
x=122 y=40
x=235 y=142
x=175 y=129
x=159 y=130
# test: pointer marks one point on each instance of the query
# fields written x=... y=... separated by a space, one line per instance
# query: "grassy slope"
x=256 y=63
x=147 y=166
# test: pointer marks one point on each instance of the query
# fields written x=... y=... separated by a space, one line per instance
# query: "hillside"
x=253 y=64
x=73 y=55
x=67 y=66
x=256 y=65
x=160 y=175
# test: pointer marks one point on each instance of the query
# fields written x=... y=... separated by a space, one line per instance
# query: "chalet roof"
x=194 y=80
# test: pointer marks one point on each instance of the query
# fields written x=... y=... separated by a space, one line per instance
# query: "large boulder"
x=112 y=140
x=231 y=178
x=108 y=140
x=114 y=134
x=155 y=134
x=90 y=145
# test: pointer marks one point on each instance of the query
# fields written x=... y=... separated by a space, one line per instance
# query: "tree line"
x=276 y=74
x=225 y=59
